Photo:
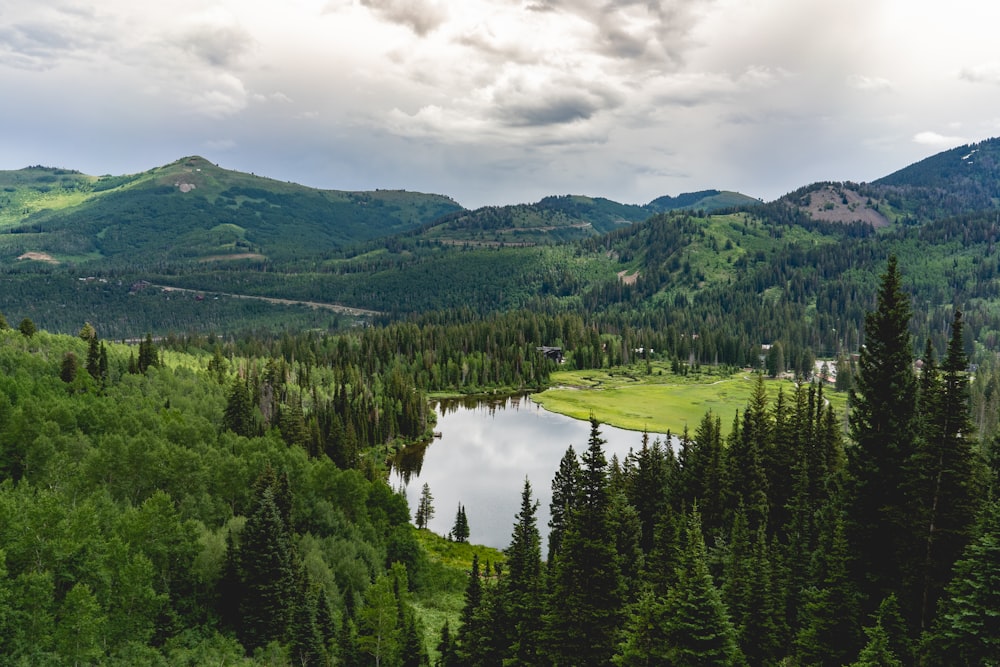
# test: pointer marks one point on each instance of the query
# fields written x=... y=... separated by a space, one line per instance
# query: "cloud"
x=42 y=37
x=864 y=83
x=985 y=73
x=217 y=45
x=420 y=16
x=938 y=140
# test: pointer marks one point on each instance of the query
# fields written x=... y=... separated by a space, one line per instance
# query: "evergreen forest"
x=203 y=391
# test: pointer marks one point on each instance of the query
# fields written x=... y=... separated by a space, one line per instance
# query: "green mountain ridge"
x=798 y=268
x=193 y=210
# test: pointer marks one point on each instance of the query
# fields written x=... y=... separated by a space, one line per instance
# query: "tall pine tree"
x=586 y=593
x=883 y=427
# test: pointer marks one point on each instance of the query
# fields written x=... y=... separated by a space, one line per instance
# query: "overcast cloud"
x=501 y=101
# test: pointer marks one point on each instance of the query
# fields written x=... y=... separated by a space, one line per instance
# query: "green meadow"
x=659 y=401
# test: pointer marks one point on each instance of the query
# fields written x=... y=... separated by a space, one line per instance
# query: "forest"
x=200 y=477
x=201 y=501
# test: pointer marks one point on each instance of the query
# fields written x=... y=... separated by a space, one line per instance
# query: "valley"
x=208 y=381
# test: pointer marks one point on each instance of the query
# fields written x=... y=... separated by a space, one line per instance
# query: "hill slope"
x=193 y=210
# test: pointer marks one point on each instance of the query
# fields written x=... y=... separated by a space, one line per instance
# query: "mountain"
x=193 y=210
x=949 y=183
x=558 y=219
x=704 y=200
x=145 y=252
x=551 y=220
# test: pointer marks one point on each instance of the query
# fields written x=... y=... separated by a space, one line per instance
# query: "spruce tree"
x=266 y=566
x=447 y=656
x=523 y=585
x=586 y=593
x=460 y=530
x=564 y=496
x=697 y=629
x=966 y=631
x=468 y=634
x=883 y=425
x=238 y=416
x=425 y=507
x=944 y=474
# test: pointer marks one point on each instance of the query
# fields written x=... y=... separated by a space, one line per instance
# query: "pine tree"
x=425 y=507
x=564 y=494
x=468 y=634
x=746 y=474
x=696 y=625
x=460 y=530
x=27 y=328
x=647 y=490
x=523 y=585
x=829 y=625
x=586 y=593
x=266 y=565
x=447 y=655
x=644 y=640
x=883 y=425
x=876 y=652
x=69 y=368
x=148 y=354
x=944 y=473
x=966 y=631
x=93 y=364
x=238 y=416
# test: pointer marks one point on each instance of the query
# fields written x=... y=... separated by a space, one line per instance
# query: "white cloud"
x=629 y=99
x=865 y=83
x=985 y=73
x=420 y=16
x=936 y=140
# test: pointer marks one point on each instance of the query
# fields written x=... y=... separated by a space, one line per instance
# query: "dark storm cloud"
x=554 y=111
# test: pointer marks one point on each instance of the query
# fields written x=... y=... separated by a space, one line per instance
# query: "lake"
x=486 y=450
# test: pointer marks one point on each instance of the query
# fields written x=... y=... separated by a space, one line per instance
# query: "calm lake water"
x=483 y=456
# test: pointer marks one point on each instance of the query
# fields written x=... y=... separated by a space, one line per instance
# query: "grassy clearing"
x=660 y=401
x=443 y=595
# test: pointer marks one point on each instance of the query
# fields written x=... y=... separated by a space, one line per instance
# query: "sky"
x=497 y=102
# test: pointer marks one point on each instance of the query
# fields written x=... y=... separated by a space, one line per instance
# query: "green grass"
x=660 y=402
x=443 y=594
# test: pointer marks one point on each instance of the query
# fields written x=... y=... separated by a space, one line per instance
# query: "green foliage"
x=586 y=588
x=460 y=529
x=967 y=628
x=425 y=507
x=883 y=427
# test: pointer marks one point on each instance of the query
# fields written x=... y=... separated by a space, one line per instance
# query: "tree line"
x=786 y=545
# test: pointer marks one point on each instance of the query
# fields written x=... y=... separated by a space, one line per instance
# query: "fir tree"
x=966 y=631
x=564 y=495
x=266 y=565
x=238 y=416
x=447 y=655
x=696 y=625
x=883 y=424
x=944 y=472
x=460 y=530
x=425 y=507
x=523 y=585
x=586 y=592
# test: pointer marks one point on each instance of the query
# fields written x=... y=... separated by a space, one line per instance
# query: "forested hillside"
x=196 y=501
x=787 y=543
